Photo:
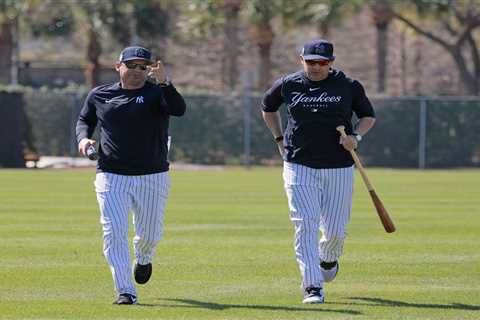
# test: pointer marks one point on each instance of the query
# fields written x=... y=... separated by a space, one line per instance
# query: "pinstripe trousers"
x=146 y=196
x=319 y=200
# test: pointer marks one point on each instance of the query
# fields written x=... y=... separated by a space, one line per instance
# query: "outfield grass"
x=227 y=251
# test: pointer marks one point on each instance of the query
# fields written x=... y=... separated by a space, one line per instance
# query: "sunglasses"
x=133 y=65
x=319 y=62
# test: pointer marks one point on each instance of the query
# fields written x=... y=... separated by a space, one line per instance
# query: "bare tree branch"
x=469 y=78
x=468 y=31
x=474 y=52
x=459 y=22
x=429 y=35
x=448 y=27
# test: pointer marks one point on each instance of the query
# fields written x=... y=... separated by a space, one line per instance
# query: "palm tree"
x=203 y=18
x=382 y=17
x=87 y=16
x=260 y=14
x=231 y=12
x=94 y=50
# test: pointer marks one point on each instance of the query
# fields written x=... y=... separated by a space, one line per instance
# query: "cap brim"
x=317 y=57
x=137 y=58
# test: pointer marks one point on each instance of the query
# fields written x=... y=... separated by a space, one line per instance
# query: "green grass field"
x=227 y=252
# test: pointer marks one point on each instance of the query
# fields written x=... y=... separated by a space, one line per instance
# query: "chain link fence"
x=411 y=132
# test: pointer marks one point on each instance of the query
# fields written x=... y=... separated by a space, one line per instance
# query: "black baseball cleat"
x=313 y=295
x=329 y=270
x=142 y=272
x=126 y=298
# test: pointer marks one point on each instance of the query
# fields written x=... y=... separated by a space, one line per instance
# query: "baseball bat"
x=381 y=211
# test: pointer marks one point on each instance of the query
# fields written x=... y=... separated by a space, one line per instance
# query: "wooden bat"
x=382 y=212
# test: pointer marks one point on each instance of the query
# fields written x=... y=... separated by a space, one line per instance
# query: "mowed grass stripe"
x=227 y=251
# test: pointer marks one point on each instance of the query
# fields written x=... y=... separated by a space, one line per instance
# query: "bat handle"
x=92 y=153
x=358 y=164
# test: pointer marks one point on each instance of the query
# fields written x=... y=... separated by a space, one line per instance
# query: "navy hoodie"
x=314 y=110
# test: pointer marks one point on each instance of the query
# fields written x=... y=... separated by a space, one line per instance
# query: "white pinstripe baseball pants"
x=146 y=196
x=319 y=200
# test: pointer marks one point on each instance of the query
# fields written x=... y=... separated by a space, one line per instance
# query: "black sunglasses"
x=133 y=65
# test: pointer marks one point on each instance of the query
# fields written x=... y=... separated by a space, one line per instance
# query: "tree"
x=50 y=18
x=260 y=15
x=324 y=13
x=381 y=17
x=153 y=23
x=452 y=26
x=204 y=18
x=10 y=11
x=120 y=20
x=231 y=13
x=87 y=15
x=327 y=13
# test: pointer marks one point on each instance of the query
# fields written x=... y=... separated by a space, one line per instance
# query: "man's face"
x=133 y=73
x=316 y=69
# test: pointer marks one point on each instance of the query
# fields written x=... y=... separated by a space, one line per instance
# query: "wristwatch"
x=357 y=136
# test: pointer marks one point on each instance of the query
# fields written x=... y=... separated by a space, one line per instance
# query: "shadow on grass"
x=393 y=303
x=189 y=303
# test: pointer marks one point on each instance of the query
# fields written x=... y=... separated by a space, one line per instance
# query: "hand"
x=281 y=147
x=84 y=144
x=349 y=142
x=158 y=72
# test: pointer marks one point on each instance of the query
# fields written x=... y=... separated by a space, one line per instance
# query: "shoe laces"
x=128 y=295
x=313 y=291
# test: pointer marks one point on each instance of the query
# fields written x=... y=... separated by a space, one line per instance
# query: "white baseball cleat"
x=313 y=295
x=329 y=270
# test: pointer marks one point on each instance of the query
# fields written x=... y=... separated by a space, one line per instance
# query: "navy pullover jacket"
x=133 y=126
x=314 y=110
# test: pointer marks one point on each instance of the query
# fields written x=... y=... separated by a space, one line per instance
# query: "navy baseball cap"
x=318 y=50
x=135 y=53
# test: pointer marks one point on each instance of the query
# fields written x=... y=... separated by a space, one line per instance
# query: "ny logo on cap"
x=140 y=53
x=320 y=49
